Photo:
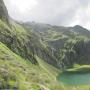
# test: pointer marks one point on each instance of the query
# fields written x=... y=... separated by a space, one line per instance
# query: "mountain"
x=75 y=51
x=21 y=68
x=18 y=74
x=24 y=43
x=39 y=27
x=81 y=31
x=3 y=12
x=32 y=55
x=67 y=44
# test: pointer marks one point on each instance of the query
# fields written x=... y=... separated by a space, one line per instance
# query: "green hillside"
x=17 y=73
x=34 y=55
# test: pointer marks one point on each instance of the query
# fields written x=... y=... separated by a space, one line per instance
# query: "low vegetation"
x=33 y=55
x=17 y=73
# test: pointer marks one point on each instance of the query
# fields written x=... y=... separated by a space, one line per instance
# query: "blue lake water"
x=74 y=78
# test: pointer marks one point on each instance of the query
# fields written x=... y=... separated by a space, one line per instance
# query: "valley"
x=37 y=56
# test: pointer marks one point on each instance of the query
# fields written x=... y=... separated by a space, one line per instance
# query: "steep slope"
x=56 y=35
x=75 y=51
x=20 y=73
x=3 y=12
x=67 y=44
x=28 y=51
x=25 y=44
x=27 y=72
x=17 y=73
x=14 y=38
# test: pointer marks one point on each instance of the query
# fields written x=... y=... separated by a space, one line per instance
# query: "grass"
x=23 y=75
x=79 y=68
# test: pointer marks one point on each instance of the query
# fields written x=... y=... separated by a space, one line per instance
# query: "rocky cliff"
x=75 y=51
x=69 y=45
x=3 y=12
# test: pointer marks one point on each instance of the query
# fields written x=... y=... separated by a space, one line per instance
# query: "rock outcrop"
x=75 y=52
x=3 y=12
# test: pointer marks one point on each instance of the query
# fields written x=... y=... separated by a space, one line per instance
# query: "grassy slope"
x=16 y=38
x=19 y=73
x=15 y=72
x=79 y=68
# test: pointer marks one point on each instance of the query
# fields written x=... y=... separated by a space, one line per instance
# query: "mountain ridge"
x=3 y=12
x=32 y=56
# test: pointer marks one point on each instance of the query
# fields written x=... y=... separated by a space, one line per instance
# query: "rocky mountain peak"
x=3 y=12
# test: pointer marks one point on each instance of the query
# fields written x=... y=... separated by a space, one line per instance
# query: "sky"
x=54 y=12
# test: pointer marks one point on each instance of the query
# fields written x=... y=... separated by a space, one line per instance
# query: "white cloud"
x=58 y=12
x=82 y=16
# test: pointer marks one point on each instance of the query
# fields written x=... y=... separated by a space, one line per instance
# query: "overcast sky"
x=57 y=12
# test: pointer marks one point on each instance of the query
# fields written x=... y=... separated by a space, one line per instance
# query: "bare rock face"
x=3 y=12
x=76 y=53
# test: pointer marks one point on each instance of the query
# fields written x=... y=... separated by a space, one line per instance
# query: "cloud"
x=57 y=12
x=82 y=16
